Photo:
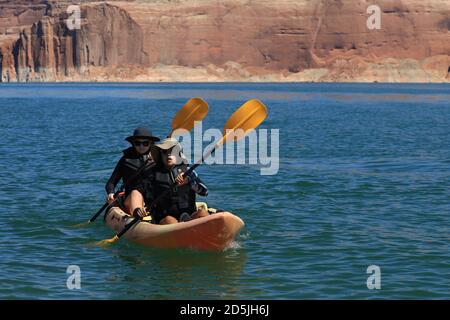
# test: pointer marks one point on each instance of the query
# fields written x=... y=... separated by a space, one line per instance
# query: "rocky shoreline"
x=215 y=41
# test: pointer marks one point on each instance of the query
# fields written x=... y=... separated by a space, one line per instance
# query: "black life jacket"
x=132 y=162
x=180 y=199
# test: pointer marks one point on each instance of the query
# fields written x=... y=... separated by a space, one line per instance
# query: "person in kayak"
x=132 y=160
x=178 y=204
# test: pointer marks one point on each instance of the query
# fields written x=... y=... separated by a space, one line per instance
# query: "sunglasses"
x=141 y=143
x=166 y=151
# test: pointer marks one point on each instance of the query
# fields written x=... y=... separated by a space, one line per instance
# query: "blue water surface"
x=364 y=179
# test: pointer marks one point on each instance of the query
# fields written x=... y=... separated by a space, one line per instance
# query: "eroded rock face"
x=49 y=51
x=20 y=13
x=228 y=40
x=291 y=36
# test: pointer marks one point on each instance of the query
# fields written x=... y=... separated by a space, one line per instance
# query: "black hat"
x=142 y=132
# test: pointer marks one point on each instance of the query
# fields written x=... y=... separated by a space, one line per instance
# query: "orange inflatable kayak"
x=212 y=233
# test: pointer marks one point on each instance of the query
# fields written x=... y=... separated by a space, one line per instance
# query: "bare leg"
x=168 y=220
x=133 y=201
x=199 y=214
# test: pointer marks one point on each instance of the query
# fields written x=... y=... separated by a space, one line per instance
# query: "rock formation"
x=48 y=50
x=226 y=40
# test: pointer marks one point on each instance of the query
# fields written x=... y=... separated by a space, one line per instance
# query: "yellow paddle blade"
x=248 y=117
x=195 y=109
x=107 y=241
x=80 y=225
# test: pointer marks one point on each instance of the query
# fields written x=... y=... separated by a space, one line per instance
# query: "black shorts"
x=157 y=216
x=146 y=191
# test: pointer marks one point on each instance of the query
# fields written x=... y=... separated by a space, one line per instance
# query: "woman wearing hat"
x=178 y=204
x=132 y=160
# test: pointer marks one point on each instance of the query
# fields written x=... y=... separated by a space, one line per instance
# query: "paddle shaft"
x=99 y=212
x=218 y=144
x=206 y=155
x=127 y=227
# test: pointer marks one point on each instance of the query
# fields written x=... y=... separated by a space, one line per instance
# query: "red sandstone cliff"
x=217 y=40
x=48 y=51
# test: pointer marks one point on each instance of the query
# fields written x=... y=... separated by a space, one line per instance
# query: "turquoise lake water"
x=364 y=179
